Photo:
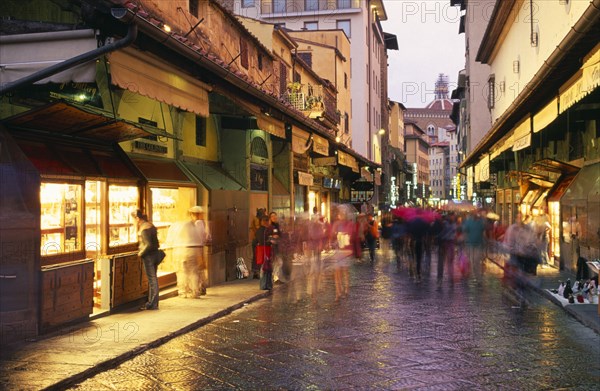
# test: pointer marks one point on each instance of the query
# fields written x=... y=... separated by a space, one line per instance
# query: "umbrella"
x=404 y=213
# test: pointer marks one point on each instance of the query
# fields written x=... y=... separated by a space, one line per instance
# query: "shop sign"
x=394 y=195
x=360 y=196
x=320 y=145
x=366 y=174
x=305 y=179
x=522 y=142
x=149 y=147
x=324 y=161
x=378 y=178
x=508 y=198
x=347 y=160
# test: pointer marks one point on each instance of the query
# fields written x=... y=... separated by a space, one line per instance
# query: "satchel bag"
x=161 y=256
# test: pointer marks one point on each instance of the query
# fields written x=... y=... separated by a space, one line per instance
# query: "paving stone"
x=390 y=333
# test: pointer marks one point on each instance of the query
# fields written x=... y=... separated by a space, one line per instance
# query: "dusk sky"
x=429 y=42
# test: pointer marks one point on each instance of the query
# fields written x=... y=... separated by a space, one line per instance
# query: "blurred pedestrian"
x=371 y=235
x=446 y=239
x=542 y=230
x=264 y=253
x=149 y=252
x=358 y=236
x=187 y=239
x=254 y=226
x=521 y=242
x=418 y=229
x=385 y=240
x=474 y=235
x=316 y=236
x=203 y=231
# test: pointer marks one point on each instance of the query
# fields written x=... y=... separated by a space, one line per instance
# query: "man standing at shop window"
x=187 y=240
x=203 y=232
x=148 y=242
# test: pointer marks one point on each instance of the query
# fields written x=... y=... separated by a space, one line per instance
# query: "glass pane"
x=278 y=6
x=343 y=4
x=61 y=218
x=344 y=25
x=93 y=216
x=311 y=5
x=122 y=201
x=170 y=205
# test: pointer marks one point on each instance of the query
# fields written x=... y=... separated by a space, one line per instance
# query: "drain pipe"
x=78 y=60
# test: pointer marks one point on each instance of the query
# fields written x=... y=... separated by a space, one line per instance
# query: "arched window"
x=259 y=148
x=430 y=129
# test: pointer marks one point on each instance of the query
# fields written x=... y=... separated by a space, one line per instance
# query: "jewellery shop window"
x=61 y=226
x=170 y=205
x=122 y=202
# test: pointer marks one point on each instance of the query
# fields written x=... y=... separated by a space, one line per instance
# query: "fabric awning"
x=90 y=161
x=160 y=170
x=67 y=119
x=271 y=125
x=22 y=55
x=522 y=135
x=545 y=116
x=502 y=145
x=482 y=169
x=212 y=177
x=151 y=77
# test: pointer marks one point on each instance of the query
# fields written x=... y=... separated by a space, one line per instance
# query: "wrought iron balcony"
x=317 y=102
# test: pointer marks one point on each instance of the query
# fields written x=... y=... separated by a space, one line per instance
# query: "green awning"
x=212 y=177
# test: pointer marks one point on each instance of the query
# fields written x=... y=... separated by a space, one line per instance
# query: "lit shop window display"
x=122 y=201
x=93 y=215
x=60 y=218
x=170 y=205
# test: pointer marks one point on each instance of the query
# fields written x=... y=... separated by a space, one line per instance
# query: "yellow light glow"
x=167 y=28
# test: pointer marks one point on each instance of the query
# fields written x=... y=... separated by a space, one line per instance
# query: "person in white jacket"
x=187 y=239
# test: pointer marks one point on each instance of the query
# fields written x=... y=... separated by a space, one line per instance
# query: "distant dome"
x=440 y=104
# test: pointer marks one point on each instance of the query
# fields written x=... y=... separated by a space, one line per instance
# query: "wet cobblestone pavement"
x=388 y=332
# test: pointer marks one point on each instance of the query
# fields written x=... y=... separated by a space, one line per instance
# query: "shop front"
x=88 y=189
x=170 y=193
x=88 y=240
x=227 y=203
x=579 y=209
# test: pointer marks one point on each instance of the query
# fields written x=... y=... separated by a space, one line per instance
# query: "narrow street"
x=388 y=333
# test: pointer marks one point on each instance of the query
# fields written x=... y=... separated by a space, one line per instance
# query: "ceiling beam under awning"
x=70 y=120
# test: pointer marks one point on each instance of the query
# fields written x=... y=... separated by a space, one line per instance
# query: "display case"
x=94 y=196
x=122 y=202
x=61 y=212
x=170 y=205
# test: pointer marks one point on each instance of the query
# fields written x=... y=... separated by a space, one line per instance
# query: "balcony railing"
x=314 y=101
x=299 y=6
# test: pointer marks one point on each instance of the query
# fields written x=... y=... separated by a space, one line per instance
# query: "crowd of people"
x=462 y=240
